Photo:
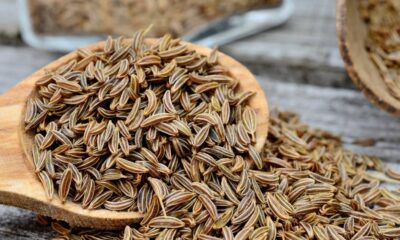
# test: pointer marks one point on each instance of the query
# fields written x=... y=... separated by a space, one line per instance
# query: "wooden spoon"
x=352 y=33
x=19 y=185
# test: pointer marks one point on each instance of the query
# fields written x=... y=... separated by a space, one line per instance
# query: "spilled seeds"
x=310 y=187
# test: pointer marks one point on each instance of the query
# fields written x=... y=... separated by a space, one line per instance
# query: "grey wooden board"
x=344 y=112
x=303 y=50
x=17 y=63
x=19 y=224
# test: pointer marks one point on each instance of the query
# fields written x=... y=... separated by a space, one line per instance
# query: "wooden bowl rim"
x=369 y=92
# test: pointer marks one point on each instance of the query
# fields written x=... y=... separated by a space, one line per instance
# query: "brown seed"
x=151 y=102
x=173 y=52
x=210 y=206
x=131 y=166
x=167 y=128
x=127 y=233
x=60 y=229
x=333 y=234
x=276 y=207
x=88 y=193
x=156 y=119
x=166 y=222
x=67 y=85
x=169 y=106
x=224 y=219
x=225 y=112
x=255 y=156
x=100 y=200
x=178 y=197
x=182 y=127
x=201 y=136
x=152 y=211
x=47 y=184
x=65 y=185
x=149 y=155
x=61 y=137
x=244 y=233
x=227 y=233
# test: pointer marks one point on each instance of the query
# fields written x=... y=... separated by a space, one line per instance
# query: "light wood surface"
x=18 y=183
x=352 y=33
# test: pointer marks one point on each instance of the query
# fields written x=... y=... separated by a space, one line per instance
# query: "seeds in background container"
x=382 y=19
x=120 y=17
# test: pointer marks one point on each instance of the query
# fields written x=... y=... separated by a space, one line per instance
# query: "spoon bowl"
x=19 y=185
x=352 y=33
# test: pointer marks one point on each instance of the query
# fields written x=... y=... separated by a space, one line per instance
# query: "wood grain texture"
x=26 y=190
x=344 y=112
x=16 y=63
x=302 y=50
x=20 y=224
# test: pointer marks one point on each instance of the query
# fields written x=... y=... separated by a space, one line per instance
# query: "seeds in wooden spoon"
x=65 y=184
x=115 y=125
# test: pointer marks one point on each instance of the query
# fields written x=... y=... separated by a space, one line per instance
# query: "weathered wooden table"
x=298 y=65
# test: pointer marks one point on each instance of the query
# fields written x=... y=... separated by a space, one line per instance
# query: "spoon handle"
x=13 y=167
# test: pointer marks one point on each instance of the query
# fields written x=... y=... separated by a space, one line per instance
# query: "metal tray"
x=216 y=33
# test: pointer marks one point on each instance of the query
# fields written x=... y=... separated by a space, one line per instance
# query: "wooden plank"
x=312 y=26
x=341 y=111
x=19 y=224
x=303 y=50
x=16 y=63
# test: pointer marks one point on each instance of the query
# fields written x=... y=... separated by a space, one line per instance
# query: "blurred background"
x=300 y=46
x=291 y=47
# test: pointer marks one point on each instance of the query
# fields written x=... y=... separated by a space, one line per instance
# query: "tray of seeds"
x=55 y=25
